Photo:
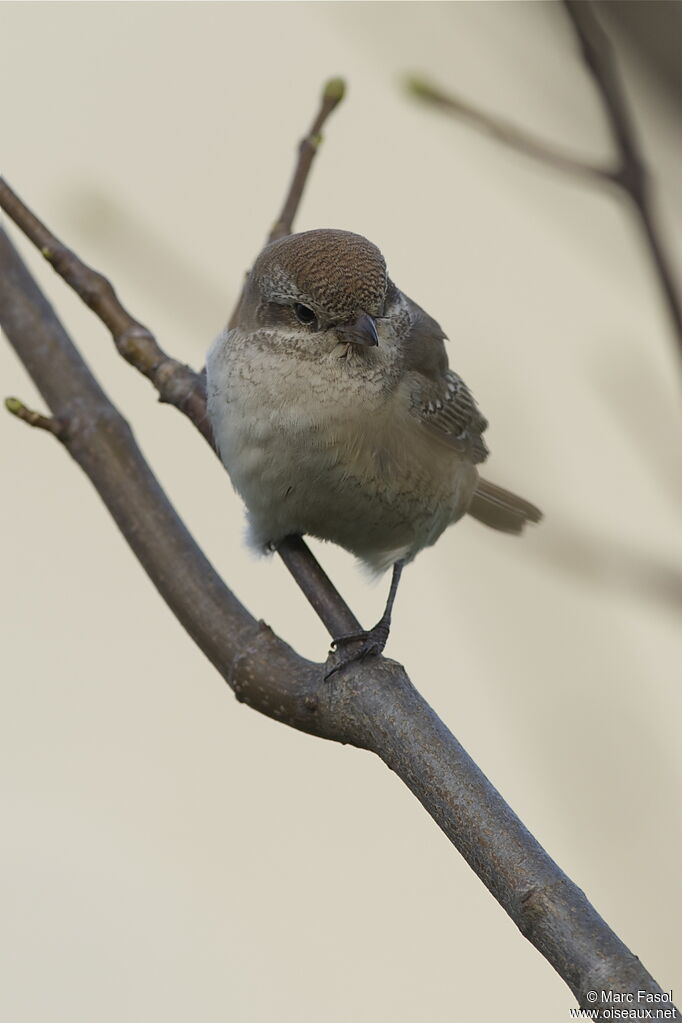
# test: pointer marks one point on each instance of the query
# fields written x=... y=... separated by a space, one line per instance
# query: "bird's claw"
x=362 y=645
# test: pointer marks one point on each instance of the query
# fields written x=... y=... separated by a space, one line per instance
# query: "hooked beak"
x=361 y=331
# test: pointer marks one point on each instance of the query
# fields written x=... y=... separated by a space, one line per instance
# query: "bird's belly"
x=371 y=483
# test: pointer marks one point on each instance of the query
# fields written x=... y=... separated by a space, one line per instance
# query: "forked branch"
x=176 y=383
x=627 y=172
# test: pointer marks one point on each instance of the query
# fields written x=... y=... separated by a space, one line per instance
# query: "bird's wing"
x=440 y=399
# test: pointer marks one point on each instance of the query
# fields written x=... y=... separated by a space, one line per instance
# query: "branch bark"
x=372 y=705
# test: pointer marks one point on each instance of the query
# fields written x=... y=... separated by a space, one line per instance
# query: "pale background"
x=167 y=854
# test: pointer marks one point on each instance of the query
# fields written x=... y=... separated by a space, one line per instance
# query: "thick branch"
x=373 y=705
x=101 y=442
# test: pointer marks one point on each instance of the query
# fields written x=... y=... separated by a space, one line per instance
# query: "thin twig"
x=176 y=383
x=505 y=132
x=628 y=171
x=632 y=173
x=294 y=552
x=27 y=415
x=317 y=587
x=332 y=94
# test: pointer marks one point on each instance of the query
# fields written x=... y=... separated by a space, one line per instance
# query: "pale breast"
x=311 y=451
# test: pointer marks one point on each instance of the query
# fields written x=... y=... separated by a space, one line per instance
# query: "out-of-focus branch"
x=628 y=172
x=631 y=173
x=504 y=131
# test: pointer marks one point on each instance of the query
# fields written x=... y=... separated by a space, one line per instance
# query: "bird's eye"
x=304 y=314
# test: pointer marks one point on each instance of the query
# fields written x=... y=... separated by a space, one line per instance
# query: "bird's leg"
x=373 y=641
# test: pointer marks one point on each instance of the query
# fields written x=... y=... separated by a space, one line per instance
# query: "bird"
x=336 y=414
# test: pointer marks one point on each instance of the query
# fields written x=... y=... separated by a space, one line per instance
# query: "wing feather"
x=441 y=401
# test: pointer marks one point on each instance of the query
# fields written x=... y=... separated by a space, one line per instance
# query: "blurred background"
x=169 y=854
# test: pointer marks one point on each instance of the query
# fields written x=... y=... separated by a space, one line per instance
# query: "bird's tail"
x=500 y=509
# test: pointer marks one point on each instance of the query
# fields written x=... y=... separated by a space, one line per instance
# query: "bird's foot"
x=356 y=647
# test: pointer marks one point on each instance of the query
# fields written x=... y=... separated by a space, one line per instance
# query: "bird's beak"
x=361 y=331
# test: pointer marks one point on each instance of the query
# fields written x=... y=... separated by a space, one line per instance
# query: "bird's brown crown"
x=337 y=272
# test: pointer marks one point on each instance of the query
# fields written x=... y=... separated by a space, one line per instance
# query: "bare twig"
x=317 y=587
x=332 y=95
x=294 y=552
x=27 y=415
x=628 y=171
x=632 y=173
x=503 y=131
x=176 y=383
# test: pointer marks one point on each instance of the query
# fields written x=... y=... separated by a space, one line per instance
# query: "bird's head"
x=318 y=290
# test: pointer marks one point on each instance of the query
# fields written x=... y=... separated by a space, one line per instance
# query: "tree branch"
x=632 y=173
x=27 y=415
x=505 y=132
x=318 y=587
x=371 y=705
x=176 y=384
x=333 y=93
x=262 y=670
x=629 y=173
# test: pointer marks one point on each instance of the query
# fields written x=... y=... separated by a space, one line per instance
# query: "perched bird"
x=335 y=412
